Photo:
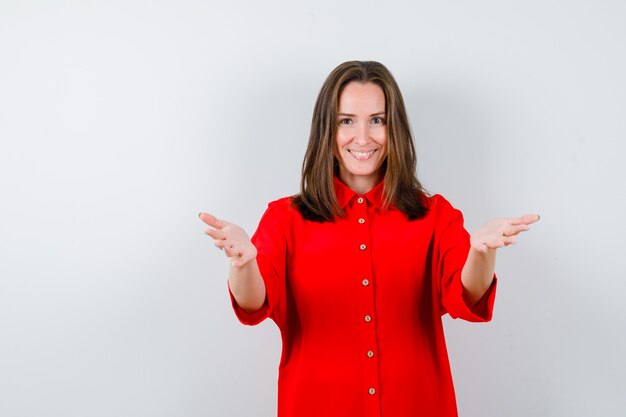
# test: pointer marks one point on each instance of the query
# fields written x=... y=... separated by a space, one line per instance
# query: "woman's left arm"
x=479 y=268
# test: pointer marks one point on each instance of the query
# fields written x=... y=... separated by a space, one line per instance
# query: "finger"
x=509 y=240
x=215 y=233
x=496 y=243
x=531 y=218
x=512 y=231
x=220 y=243
x=211 y=220
x=525 y=219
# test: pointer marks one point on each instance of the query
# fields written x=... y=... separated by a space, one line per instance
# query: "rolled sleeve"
x=458 y=307
x=245 y=317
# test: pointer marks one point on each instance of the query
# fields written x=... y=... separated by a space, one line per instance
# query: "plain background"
x=121 y=120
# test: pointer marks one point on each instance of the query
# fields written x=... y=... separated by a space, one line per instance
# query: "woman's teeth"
x=362 y=155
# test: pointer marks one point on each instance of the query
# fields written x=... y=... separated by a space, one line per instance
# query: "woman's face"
x=361 y=138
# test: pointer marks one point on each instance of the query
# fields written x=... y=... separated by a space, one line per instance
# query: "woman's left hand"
x=500 y=232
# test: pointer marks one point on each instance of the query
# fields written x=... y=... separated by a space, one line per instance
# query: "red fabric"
x=316 y=295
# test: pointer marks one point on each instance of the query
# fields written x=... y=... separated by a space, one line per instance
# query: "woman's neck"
x=361 y=184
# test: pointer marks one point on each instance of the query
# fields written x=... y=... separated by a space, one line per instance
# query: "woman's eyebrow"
x=353 y=115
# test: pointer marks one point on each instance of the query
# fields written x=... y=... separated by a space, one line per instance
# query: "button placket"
x=361 y=225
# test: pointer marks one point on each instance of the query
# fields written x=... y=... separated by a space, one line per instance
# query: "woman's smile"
x=362 y=155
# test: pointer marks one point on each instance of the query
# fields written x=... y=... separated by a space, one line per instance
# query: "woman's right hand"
x=232 y=239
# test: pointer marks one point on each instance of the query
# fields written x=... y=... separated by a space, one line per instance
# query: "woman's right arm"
x=244 y=279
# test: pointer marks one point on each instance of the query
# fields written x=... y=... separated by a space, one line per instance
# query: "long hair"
x=317 y=200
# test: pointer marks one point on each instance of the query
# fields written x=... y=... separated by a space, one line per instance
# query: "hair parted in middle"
x=317 y=200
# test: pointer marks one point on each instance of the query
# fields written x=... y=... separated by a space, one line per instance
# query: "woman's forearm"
x=247 y=286
x=477 y=274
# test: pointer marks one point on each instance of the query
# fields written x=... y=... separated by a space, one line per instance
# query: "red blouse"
x=359 y=303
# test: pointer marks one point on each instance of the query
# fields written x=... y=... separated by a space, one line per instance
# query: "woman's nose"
x=362 y=135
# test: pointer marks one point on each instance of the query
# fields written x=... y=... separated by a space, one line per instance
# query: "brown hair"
x=317 y=200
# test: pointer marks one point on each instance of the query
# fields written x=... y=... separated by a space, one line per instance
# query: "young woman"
x=358 y=268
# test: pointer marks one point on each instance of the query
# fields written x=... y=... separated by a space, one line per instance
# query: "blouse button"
x=362 y=247
x=360 y=200
x=361 y=220
x=368 y=318
x=365 y=282
x=370 y=354
x=371 y=391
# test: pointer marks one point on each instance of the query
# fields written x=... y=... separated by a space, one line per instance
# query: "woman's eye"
x=345 y=121
x=378 y=120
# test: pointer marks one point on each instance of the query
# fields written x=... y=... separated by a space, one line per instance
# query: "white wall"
x=121 y=120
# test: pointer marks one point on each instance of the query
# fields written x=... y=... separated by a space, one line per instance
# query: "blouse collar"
x=345 y=194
